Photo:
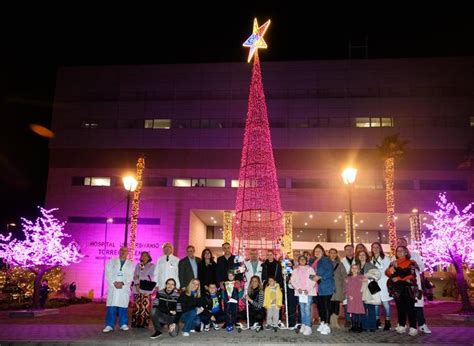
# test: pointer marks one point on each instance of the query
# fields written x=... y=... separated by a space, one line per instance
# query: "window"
x=215 y=182
x=163 y=124
x=90 y=124
x=181 y=182
x=387 y=122
x=234 y=183
x=374 y=122
x=362 y=122
x=471 y=121
x=97 y=181
x=154 y=181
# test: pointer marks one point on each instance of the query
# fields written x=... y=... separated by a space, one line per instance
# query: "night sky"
x=34 y=45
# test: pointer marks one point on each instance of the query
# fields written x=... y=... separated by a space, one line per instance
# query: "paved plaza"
x=82 y=324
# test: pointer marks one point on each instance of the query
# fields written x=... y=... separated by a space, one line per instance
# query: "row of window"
x=166 y=124
x=376 y=184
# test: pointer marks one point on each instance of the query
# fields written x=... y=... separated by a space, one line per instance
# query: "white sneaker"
x=401 y=329
x=124 y=327
x=424 y=328
x=185 y=334
x=413 y=332
x=107 y=329
x=302 y=329
x=307 y=330
x=326 y=330
x=321 y=327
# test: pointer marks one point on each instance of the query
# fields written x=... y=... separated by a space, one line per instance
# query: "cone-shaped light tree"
x=42 y=249
x=391 y=149
x=258 y=221
x=450 y=242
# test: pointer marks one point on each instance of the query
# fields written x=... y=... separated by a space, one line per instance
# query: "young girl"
x=230 y=295
x=272 y=302
x=191 y=305
x=305 y=288
x=255 y=299
x=355 y=305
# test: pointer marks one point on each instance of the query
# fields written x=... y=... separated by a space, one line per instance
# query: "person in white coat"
x=419 y=303
x=119 y=276
x=253 y=267
x=167 y=267
x=382 y=262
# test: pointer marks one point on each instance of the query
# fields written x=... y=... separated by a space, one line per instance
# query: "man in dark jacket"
x=272 y=268
x=188 y=267
x=225 y=263
x=166 y=309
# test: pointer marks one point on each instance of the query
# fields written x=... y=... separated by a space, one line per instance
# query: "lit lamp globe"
x=130 y=183
x=349 y=175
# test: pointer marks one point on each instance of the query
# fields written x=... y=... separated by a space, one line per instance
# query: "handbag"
x=374 y=287
x=147 y=285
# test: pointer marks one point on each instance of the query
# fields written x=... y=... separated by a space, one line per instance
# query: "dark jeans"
x=355 y=318
x=369 y=322
x=334 y=307
x=191 y=320
x=159 y=319
x=323 y=303
x=420 y=316
x=406 y=307
x=219 y=316
x=230 y=314
x=293 y=307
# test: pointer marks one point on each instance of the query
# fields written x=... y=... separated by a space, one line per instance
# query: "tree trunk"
x=39 y=273
x=462 y=286
x=390 y=201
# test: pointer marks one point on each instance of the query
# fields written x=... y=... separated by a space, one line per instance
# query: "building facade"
x=188 y=121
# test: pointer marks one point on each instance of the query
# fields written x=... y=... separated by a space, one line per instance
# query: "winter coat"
x=119 y=297
x=325 y=271
x=382 y=264
x=340 y=275
x=269 y=292
x=369 y=298
x=189 y=302
x=300 y=280
x=145 y=273
x=272 y=269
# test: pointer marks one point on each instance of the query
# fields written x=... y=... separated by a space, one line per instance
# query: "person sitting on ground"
x=191 y=306
x=254 y=297
x=213 y=313
x=166 y=310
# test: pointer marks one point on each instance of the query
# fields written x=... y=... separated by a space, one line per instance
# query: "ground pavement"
x=82 y=324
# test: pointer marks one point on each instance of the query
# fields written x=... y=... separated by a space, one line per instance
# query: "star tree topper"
x=256 y=41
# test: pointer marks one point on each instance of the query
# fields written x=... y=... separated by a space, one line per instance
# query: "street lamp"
x=130 y=184
x=107 y=221
x=349 y=176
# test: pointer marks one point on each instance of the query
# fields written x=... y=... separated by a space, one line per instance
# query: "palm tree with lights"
x=390 y=150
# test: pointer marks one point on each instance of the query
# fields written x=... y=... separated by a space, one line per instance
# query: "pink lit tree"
x=258 y=221
x=450 y=242
x=42 y=249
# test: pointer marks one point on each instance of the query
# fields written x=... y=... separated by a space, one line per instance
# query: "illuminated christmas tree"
x=450 y=242
x=258 y=221
x=42 y=249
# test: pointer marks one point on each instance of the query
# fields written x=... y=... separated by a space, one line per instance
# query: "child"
x=355 y=305
x=305 y=289
x=272 y=302
x=230 y=295
x=44 y=290
x=212 y=314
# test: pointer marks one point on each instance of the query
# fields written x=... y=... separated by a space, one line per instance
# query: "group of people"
x=205 y=294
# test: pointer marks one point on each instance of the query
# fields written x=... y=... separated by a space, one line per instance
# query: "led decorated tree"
x=258 y=221
x=391 y=149
x=42 y=249
x=450 y=242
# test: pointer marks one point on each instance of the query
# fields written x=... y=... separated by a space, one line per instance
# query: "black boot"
x=378 y=324
x=359 y=327
x=353 y=327
x=387 y=325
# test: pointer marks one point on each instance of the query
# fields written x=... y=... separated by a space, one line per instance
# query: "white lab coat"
x=249 y=271
x=165 y=270
x=115 y=296
x=382 y=265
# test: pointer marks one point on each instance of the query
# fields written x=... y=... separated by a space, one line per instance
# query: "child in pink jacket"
x=306 y=288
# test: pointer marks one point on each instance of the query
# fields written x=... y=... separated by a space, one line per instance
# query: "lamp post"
x=349 y=176
x=130 y=184
x=107 y=221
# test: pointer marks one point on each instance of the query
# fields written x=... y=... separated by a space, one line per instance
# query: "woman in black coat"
x=207 y=271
